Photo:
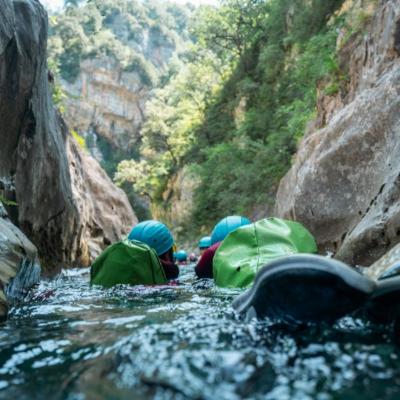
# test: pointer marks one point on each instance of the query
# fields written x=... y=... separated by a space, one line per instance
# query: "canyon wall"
x=344 y=184
x=66 y=205
x=123 y=56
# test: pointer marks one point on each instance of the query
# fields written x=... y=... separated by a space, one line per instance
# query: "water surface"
x=70 y=341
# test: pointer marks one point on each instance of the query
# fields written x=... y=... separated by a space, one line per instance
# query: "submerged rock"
x=19 y=266
x=345 y=182
x=59 y=205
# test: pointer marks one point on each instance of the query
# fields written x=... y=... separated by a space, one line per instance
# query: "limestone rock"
x=106 y=102
x=345 y=181
x=178 y=200
x=19 y=267
x=104 y=209
x=33 y=154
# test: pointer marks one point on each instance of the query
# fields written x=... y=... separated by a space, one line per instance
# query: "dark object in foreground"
x=384 y=305
x=305 y=288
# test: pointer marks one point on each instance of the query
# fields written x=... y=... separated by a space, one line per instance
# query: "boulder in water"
x=19 y=267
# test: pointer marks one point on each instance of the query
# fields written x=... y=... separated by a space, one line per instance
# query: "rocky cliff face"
x=60 y=191
x=105 y=214
x=176 y=206
x=345 y=181
x=106 y=102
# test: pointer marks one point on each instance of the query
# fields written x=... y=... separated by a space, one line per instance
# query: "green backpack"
x=127 y=262
x=247 y=249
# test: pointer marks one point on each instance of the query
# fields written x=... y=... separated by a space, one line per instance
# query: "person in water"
x=204 y=244
x=181 y=257
x=192 y=258
x=157 y=236
x=204 y=268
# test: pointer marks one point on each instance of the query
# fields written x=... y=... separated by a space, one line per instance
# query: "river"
x=70 y=341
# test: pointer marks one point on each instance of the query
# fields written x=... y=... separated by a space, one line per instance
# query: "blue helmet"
x=181 y=255
x=205 y=242
x=155 y=234
x=226 y=226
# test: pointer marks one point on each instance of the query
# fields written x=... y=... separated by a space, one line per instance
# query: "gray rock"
x=33 y=154
x=108 y=101
x=19 y=266
x=345 y=181
x=104 y=210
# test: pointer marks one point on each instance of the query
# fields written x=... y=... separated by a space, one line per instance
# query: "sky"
x=56 y=4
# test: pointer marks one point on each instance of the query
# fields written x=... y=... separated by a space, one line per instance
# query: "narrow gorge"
x=200 y=199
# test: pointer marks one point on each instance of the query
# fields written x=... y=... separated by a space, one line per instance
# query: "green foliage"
x=112 y=155
x=7 y=202
x=238 y=106
x=140 y=37
x=79 y=139
x=115 y=29
x=58 y=93
x=146 y=71
x=264 y=106
x=234 y=105
x=172 y=117
x=231 y=30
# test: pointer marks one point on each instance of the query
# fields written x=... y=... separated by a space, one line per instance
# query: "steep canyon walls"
x=66 y=204
x=345 y=181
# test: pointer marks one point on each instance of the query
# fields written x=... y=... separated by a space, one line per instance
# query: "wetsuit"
x=170 y=268
x=204 y=268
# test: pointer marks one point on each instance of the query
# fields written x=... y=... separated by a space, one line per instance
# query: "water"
x=70 y=341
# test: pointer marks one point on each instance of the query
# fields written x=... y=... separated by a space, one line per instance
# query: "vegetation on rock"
x=116 y=28
x=234 y=107
x=238 y=107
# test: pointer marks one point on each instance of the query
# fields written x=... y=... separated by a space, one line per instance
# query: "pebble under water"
x=71 y=341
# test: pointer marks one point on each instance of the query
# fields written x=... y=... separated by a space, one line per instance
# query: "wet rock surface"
x=19 y=267
x=57 y=216
x=345 y=181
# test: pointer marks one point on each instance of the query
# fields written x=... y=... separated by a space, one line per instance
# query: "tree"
x=172 y=117
x=232 y=28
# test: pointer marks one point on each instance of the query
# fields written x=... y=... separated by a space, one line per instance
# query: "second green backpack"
x=247 y=249
x=127 y=262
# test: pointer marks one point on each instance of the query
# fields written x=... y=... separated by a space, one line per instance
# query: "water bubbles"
x=182 y=341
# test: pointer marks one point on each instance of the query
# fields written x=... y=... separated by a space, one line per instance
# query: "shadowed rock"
x=61 y=207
